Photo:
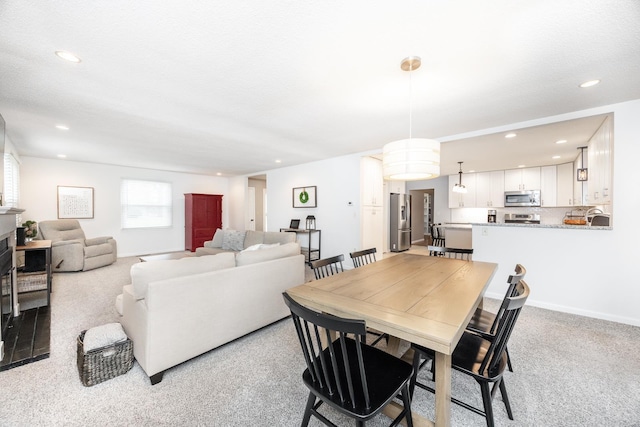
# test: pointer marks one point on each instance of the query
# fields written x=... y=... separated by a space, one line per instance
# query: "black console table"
x=311 y=252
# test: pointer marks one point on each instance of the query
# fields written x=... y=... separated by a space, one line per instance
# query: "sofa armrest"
x=97 y=240
x=61 y=243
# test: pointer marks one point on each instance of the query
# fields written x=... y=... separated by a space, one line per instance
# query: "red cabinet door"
x=203 y=215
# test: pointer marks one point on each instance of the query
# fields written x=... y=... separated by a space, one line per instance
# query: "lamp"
x=311 y=222
x=459 y=188
x=583 y=173
x=413 y=158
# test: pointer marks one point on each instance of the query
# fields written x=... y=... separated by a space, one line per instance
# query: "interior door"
x=250 y=214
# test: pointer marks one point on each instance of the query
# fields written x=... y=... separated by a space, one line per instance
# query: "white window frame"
x=145 y=204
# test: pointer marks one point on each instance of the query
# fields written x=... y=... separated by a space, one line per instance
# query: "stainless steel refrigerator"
x=400 y=228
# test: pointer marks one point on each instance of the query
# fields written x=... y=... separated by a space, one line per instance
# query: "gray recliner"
x=71 y=251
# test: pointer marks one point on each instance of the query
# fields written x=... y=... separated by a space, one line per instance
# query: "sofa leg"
x=155 y=379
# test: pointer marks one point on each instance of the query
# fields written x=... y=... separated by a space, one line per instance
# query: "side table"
x=311 y=252
x=35 y=276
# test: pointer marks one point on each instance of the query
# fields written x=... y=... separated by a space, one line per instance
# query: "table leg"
x=443 y=390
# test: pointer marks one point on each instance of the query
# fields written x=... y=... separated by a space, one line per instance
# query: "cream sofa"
x=235 y=241
x=175 y=310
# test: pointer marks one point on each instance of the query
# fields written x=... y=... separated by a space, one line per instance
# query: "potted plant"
x=31 y=230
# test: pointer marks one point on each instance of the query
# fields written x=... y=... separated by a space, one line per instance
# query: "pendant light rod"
x=409 y=64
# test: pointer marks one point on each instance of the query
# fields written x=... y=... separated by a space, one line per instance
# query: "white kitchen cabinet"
x=522 y=179
x=463 y=200
x=372 y=228
x=548 y=186
x=564 y=187
x=599 y=166
x=371 y=181
x=490 y=189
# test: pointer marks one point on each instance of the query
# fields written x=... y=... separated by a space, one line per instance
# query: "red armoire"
x=202 y=216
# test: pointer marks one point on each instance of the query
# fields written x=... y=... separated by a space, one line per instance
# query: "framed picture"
x=75 y=202
x=305 y=197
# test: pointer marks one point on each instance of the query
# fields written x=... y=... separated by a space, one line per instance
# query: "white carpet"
x=570 y=371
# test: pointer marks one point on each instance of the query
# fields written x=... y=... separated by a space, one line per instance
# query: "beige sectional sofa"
x=235 y=241
x=175 y=310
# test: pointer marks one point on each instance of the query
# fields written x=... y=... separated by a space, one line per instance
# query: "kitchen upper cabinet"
x=548 y=186
x=522 y=179
x=463 y=200
x=564 y=187
x=371 y=181
x=490 y=189
x=599 y=166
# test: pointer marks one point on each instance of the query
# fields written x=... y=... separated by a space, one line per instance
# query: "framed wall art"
x=75 y=202
x=305 y=197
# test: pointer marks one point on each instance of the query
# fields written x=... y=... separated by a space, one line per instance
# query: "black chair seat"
x=386 y=375
x=469 y=355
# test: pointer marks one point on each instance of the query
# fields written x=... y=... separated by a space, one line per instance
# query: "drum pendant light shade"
x=411 y=159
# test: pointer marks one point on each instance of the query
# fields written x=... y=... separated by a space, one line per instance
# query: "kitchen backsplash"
x=547 y=215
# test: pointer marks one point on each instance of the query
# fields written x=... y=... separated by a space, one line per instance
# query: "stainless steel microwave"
x=522 y=198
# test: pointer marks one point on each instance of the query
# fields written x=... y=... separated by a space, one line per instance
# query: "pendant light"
x=413 y=158
x=459 y=188
x=583 y=173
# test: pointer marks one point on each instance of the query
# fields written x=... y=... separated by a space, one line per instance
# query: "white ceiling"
x=230 y=87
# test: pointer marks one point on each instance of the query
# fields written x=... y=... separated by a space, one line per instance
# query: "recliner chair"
x=71 y=251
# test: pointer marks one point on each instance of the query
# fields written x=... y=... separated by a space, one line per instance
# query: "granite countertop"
x=564 y=226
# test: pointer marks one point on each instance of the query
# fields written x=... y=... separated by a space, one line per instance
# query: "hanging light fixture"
x=583 y=173
x=413 y=158
x=459 y=188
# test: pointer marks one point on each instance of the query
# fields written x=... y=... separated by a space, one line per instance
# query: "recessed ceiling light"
x=219 y=173
x=471 y=171
x=278 y=161
x=62 y=156
x=555 y=157
x=68 y=56
x=510 y=135
x=590 y=83
x=522 y=166
x=561 y=141
x=62 y=127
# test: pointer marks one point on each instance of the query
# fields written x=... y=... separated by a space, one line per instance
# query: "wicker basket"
x=102 y=364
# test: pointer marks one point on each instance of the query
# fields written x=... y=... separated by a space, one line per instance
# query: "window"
x=145 y=204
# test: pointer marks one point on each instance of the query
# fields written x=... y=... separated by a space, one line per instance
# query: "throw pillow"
x=280 y=251
x=216 y=242
x=233 y=240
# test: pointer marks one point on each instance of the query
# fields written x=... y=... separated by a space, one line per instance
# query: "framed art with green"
x=305 y=197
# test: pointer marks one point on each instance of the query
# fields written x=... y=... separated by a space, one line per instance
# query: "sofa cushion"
x=233 y=240
x=262 y=255
x=271 y=237
x=146 y=272
x=253 y=238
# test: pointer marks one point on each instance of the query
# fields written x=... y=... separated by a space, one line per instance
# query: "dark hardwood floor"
x=27 y=338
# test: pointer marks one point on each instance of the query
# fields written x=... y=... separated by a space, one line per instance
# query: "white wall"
x=338 y=183
x=39 y=179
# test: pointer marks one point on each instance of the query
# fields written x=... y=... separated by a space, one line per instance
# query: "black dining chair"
x=437 y=235
x=353 y=378
x=482 y=359
x=363 y=257
x=456 y=253
x=485 y=322
x=328 y=266
x=360 y=258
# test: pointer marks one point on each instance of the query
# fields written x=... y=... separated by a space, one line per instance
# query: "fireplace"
x=6 y=277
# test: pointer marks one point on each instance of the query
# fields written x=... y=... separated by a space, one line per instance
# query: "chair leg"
x=307 y=412
x=505 y=398
x=486 y=401
x=506 y=350
x=416 y=368
x=406 y=401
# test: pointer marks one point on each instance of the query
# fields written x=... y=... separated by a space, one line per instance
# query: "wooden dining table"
x=417 y=298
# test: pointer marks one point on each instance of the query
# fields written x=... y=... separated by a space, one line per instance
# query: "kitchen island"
x=519 y=225
x=457 y=235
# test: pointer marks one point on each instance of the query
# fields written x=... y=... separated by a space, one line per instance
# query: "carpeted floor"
x=569 y=371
